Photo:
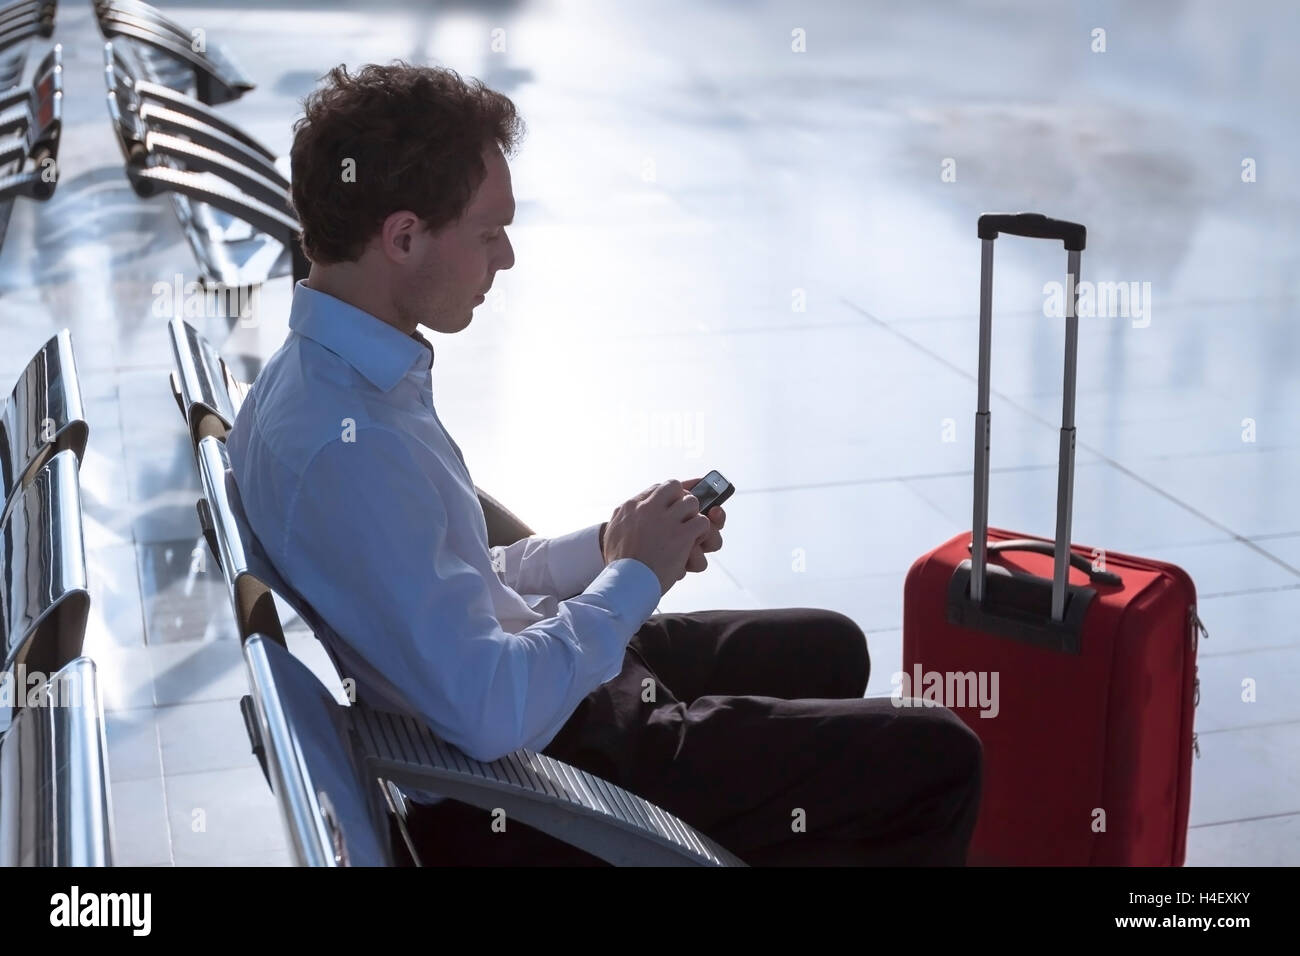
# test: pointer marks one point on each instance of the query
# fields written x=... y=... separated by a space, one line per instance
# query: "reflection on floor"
x=732 y=255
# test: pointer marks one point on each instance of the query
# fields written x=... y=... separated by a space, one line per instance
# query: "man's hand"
x=661 y=527
x=711 y=540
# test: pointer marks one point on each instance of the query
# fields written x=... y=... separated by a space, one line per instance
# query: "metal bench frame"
x=43 y=415
x=215 y=76
x=221 y=181
x=31 y=123
x=36 y=14
x=54 y=782
x=44 y=599
x=21 y=22
x=55 y=805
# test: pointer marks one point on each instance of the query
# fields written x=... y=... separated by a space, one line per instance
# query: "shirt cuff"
x=574 y=560
x=633 y=589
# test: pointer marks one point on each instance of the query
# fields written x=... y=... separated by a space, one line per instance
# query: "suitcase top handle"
x=1077 y=561
x=1033 y=225
x=1072 y=234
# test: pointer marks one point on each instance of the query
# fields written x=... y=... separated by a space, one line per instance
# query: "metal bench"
x=165 y=110
x=44 y=601
x=20 y=23
x=324 y=759
x=332 y=815
x=54 y=791
x=54 y=782
x=206 y=392
x=13 y=60
x=36 y=16
x=233 y=204
x=42 y=416
x=396 y=749
x=172 y=55
x=31 y=121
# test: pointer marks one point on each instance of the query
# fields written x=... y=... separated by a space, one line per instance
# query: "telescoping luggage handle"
x=1073 y=236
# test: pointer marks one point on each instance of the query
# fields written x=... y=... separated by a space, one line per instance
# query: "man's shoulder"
x=304 y=399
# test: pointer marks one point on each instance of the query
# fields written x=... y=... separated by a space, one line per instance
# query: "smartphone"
x=712 y=490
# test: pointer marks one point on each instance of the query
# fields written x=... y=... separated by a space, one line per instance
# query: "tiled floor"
x=732 y=255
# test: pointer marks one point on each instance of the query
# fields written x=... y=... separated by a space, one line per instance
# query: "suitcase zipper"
x=1198 y=626
x=1198 y=629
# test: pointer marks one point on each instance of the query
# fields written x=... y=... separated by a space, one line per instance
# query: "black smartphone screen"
x=712 y=490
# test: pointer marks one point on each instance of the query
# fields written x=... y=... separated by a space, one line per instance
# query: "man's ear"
x=397 y=235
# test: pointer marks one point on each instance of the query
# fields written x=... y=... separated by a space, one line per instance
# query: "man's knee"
x=844 y=643
x=955 y=749
x=962 y=747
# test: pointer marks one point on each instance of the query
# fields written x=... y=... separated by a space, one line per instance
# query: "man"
x=754 y=728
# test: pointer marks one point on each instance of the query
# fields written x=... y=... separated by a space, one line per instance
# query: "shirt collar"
x=380 y=352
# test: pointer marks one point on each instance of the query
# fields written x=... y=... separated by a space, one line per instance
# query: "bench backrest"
x=21 y=21
x=253 y=602
x=172 y=145
x=43 y=415
x=215 y=76
x=207 y=392
x=44 y=600
x=331 y=806
x=54 y=781
x=31 y=124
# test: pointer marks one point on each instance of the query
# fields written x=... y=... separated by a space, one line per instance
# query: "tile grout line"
x=162 y=783
x=1265 y=816
x=1202 y=655
x=731 y=577
x=231 y=769
x=1244 y=591
x=1236 y=730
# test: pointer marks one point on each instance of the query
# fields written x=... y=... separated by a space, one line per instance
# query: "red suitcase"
x=1087 y=658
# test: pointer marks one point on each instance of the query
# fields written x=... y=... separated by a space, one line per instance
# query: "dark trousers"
x=751 y=726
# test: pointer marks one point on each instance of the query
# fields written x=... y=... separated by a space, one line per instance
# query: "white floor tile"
x=1249 y=689
x=1250 y=621
x=197 y=671
x=133 y=751
x=203 y=736
x=140 y=830
x=1243 y=774
x=1274 y=841
x=223 y=817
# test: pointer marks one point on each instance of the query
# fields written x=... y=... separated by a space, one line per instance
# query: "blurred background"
x=745 y=240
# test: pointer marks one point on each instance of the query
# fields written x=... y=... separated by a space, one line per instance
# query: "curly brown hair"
x=415 y=134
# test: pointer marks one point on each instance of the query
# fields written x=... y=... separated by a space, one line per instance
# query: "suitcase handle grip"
x=1033 y=225
x=1077 y=561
